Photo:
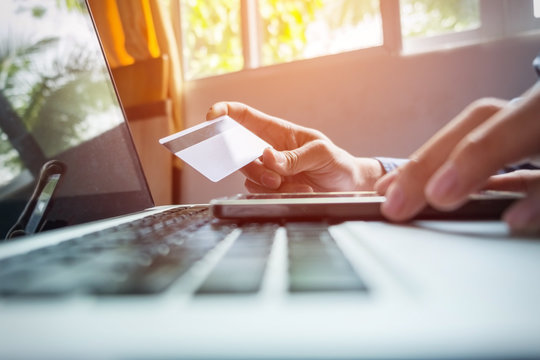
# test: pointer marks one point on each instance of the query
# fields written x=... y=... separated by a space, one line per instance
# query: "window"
x=222 y=36
x=281 y=31
x=293 y=30
x=211 y=37
x=431 y=24
x=423 y=18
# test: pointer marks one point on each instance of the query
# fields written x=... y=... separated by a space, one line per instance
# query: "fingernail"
x=395 y=201
x=518 y=216
x=271 y=180
x=301 y=188
x=443 y=185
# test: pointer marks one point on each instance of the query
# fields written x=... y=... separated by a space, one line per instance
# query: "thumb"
x=310 y=156
x=220 y=109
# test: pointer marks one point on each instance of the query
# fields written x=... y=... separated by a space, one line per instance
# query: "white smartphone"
x=347 y=206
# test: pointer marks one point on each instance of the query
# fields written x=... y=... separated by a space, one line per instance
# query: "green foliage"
x=8 y=157
x=15 y=60
x=61 y=118
x=38 y=11
x=212 y=42
x=349 y=12
x=71 y=5
x=212 y=31
x=284 y=23
x=432 y=17
x=45 y=95
x=284 y=26
x=53 y=102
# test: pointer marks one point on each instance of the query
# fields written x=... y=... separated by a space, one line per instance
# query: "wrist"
x=369 y=170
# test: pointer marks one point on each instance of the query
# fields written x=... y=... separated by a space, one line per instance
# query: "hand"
x=302 y=159
x=525 y=215
x=462 y=157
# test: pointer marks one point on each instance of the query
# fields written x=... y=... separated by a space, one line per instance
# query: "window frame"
x=498 y=19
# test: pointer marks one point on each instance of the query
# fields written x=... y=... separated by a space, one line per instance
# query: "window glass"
x=300 y=29
x=423 y=18
x=211 y=37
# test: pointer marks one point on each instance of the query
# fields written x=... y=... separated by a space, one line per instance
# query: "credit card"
x=216 y=148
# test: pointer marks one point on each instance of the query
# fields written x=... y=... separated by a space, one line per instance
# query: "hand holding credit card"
x=216 y=148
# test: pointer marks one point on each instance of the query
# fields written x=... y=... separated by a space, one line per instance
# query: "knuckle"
x=292 y=159
x=485 y=107
x=321 y=146
x=318 y=135
x=301 y=135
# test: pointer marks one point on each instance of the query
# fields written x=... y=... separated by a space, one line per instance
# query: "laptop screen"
x=57 y=102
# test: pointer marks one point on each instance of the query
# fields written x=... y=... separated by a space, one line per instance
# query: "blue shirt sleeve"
x=390 y=164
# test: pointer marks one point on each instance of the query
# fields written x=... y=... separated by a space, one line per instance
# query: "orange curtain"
x=166 y=36
x=136 y=31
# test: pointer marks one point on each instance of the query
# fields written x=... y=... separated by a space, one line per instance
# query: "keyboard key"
x=241 y=269
x=316 y=263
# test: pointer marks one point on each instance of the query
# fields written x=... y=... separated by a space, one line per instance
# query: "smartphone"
x=363 y=205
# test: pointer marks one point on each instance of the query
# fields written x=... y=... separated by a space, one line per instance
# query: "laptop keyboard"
x=146 y=256
x=316 y=263
x=241 y=269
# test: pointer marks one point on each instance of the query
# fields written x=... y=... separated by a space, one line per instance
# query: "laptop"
x=91 y=269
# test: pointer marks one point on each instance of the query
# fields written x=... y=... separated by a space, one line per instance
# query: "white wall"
x=368 y=102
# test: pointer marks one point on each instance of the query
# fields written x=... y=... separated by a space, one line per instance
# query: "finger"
x=311 y=156
x=405 y=196
x=259 y=174
x=524 y=216
x=295 y=188
x=508 y=136
x=245 y=115
x=217 y=110
x=238 y=111
x=520 y=181
x=381 y=186
x=255 y=188
x=269 y=128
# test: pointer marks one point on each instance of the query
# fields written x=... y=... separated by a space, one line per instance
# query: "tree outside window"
x=290 y=30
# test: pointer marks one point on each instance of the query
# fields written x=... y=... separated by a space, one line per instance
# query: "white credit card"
x=216 y=148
